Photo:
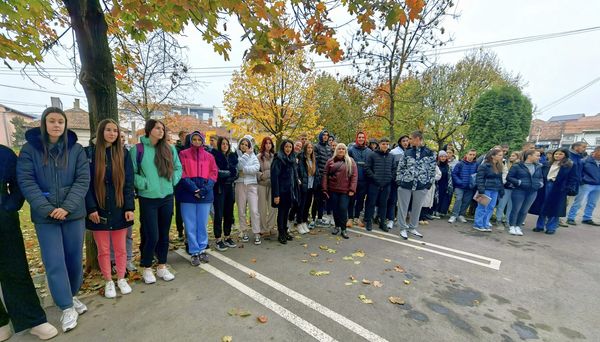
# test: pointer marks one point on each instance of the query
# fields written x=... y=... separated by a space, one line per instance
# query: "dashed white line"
x=325 y=311
x=491 y=263
x=286 y=314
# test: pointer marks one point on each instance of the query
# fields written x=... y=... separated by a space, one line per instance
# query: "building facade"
x=7 y=129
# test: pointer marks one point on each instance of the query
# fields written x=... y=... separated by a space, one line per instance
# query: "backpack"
x=139 y=155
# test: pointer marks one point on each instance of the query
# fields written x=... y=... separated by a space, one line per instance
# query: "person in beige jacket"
x=268 y=214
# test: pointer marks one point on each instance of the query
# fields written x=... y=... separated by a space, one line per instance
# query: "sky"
x=550 y=68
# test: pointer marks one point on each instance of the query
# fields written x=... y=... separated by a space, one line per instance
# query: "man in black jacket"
x=380 y=174
x=323 y=153
x=415 y=175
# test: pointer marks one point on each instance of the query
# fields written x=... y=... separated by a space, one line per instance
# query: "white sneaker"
x=130 y=266
x=518 y=231
x=415 y=232
x=452 y=219
x=165 y=274
x=305 y=228
x=511 y=230
x=403 y=234
x=68 y=320
x=124 y=286
x=390 y=224
x=148 y=276
x=5 y=332
x=109 y=289
x=44 y=331
x=462 y=219
x=79 y=306
x=257 y=239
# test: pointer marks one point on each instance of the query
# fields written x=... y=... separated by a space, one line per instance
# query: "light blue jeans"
x=592 y=193
x=483 y=213
x=505 y=203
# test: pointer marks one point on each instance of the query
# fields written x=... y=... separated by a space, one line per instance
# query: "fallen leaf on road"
x=407 y=282
x=387 y=260
x=262 y=319
x=227 y=339
x=348 y=283
x=253 y=260
x=314 y=255
x=304 y=260
x=329 y=260
x=366 y=281
x=319 y=273
x=331 y=251
x=359 y=253
x=352 y=278
x=305 y=245
x=232 y=312
x=356 y=262
x=348 y=258
x=396 y=300
x=252 y=274
x=399 y=268
x=364 y=299
x=244 y=313
x=377 y=283
x=420 y=258
x=475 y=302
x=323 y=247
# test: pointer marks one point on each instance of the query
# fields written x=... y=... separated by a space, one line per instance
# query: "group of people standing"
x=296 y=186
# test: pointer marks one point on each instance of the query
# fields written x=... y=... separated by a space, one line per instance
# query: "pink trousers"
x=103 y=239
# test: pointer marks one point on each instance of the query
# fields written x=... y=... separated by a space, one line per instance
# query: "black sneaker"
x=590 y=222
x=282 y=240
x=289 y=237
x=335 y=230
x=220 y=246
x=195 y=260
x=573 y=223
x=203 y=258
x=369 y=226
x=384 y=228
x=344 y=234
x=230 y=243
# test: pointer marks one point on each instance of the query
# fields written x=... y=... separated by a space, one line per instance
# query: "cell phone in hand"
x=103 y=220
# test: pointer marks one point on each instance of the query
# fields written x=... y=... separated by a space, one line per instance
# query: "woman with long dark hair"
x=504 y=203
x=560 y=181
x=268 y=214
x=310 y=178
x=443 y=185
x=338 y=184
x=489 y=186
x=54 y=176
x=284 y=193
x=157 y=171
x=227 y=162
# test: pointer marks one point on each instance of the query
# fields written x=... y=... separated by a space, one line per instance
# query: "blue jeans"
x=521 y=202
x=61 y=245
x=483 y=214
x=195 y=219
x=505 y=203
x=550 y=222
x=592 y=193
x=462 y=200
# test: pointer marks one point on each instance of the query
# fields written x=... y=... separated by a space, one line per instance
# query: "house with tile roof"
x=564 y=130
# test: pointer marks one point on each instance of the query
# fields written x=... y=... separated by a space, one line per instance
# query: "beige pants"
x=247 y=194
x=268 y=214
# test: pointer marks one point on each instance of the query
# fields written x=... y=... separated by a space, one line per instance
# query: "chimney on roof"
x=76 y=104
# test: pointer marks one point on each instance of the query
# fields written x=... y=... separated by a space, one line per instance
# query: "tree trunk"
x=97 y=77
x=392 y=117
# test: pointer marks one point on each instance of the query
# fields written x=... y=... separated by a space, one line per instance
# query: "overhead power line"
x=41 y=90
x=567 y=96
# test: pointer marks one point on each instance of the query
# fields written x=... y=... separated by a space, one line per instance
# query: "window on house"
x=598 y=141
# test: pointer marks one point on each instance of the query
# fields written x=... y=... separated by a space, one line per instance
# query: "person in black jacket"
x=323 y=153
x=560 y=180
x=180 y=146
x=527 y=178
x=110 y=202
x=284 y=187
x=380 y=174
x=310 y=177
x=227 y=162
x=22 y=303
x=489 y=187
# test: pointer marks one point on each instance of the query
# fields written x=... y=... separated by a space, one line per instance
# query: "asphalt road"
x=457 y=285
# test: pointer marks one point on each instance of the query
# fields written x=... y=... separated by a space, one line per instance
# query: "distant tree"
x=501 y=115
x=20 y=129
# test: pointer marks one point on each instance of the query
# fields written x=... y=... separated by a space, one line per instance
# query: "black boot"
x=282 y=239
x=289 y=237
x=369 y=226
x=345 y=234
x=384 y=228
x=335 y=230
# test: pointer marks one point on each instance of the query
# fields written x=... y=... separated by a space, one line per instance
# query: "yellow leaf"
x=396 y=300
x=364 y=299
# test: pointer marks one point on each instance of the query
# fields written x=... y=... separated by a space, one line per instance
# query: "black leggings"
x=223 y=218
x=283 y=210
x=155 y=216
x=306 y=199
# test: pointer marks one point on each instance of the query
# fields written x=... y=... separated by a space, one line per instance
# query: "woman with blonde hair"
x=338 y=184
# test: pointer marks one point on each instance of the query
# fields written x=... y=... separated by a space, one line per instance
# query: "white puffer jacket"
x=248 y=165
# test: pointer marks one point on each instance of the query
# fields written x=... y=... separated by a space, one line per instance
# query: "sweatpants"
x=377 y=197
x=306 y=200
x=155 y=216
x=247 y=194
x=268 y=214
x=357 y=202
x=404 y=198
x=195 y=218
x=283 y=210
x=22 y=304
x=104 y=239
x=339 y=206
x=61 y=245
x=223 y=206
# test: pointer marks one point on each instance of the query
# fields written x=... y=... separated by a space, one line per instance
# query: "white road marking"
x=306 y=326
x=325 y=311
x=491 y=263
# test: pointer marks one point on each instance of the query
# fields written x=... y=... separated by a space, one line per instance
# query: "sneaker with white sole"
x=479 y=229
x=257 y=239
x=511 y=230
x=462 y=219
x=220 y=246
x=203 y=257
x=79 y=306
x=44 y=331
x=415 y=232
x=109 y=289
x=124 y=286
x=518 y=231
x=68 y=319
x=403 y=234
x=5 y=332
x=245 y=237
x=230 y=243
x=165 y=274
x=148 y=275
x=452 y=219
x=389 y=224
x=130 y=267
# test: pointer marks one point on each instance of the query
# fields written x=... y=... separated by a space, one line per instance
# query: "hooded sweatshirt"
x=199 y=173
x=360 y=153
x=322 y=151
x=248 y=165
